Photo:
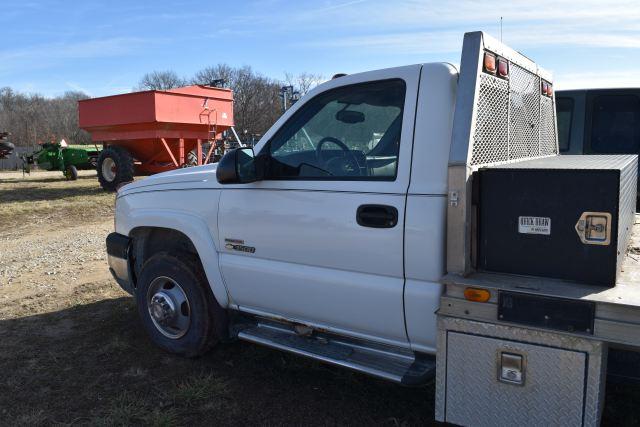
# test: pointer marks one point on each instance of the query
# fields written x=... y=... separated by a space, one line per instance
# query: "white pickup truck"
x=337 y=236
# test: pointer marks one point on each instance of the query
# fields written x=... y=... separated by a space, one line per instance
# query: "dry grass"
x=47 y=198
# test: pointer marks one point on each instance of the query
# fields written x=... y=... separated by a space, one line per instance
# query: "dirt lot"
x=73 y=352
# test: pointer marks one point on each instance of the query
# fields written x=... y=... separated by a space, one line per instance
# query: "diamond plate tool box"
x=499 y=375
x=565 y=217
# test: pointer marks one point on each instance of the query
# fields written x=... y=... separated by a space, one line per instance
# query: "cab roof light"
x=549 y=89
x=477 y=295
x=489 y=63
x=503 y=68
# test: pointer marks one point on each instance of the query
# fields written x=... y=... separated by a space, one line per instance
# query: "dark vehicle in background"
x=603 y=121
x=599 y=121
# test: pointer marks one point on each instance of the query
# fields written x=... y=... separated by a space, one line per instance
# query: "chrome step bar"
x=390 y=363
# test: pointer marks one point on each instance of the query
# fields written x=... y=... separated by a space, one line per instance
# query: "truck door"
x=320 y=239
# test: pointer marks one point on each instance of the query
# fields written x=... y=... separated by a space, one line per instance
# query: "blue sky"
x=104 y=47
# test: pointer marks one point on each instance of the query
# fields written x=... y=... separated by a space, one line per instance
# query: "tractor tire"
x=176 y=305
x=115 y=166
x=192 y=158
x=71 y=173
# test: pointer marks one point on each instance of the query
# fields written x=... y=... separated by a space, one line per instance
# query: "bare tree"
x=256 y=102
x=160 y=80
x=33 y=119
x=303 y=82
x=208 y=75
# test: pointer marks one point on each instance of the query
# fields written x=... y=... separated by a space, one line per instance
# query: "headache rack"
x=499 y=118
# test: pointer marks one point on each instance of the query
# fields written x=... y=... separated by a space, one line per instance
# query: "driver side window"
x=348 y=133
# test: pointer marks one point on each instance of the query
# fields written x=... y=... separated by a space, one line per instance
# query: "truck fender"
x=196 y=230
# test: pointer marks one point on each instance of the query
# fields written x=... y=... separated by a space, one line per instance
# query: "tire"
x=71 y=173
x=115 y=166
x=192 y=158
x=162 y=279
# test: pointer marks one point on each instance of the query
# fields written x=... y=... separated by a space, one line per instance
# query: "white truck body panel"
x=432 y=132
x=424 y=266
x=333 y=272
x=424 y=245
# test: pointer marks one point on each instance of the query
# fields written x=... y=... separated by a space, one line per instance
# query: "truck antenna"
x=501 y=29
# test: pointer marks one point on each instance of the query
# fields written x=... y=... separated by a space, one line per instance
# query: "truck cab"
x=343 y=232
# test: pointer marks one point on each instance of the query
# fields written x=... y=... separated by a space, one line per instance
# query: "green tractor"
x=66 y=158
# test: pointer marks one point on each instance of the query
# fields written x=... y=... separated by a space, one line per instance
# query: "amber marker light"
x=489 y=63
x=477 y=295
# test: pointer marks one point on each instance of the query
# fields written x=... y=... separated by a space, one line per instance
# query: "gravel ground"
x=40 y=271
x=52 y=235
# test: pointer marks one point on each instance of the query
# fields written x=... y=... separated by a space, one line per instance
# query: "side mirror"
x=238 y=166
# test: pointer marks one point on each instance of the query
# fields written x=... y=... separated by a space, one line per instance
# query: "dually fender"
x=192 y=226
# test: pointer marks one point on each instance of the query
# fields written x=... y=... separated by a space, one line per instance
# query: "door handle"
x=377 y=216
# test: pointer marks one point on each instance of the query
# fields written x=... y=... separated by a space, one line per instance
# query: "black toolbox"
x=565 y=217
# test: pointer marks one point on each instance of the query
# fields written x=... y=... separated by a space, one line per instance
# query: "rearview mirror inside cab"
x=237 y=167
x=350 y=117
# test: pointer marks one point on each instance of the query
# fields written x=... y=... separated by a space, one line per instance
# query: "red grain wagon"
x=155 y=131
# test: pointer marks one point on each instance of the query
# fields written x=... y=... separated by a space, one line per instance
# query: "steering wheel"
x=350 y=158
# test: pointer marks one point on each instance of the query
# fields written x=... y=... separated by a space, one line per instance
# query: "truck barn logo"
x=534 y=225
x=238 y=245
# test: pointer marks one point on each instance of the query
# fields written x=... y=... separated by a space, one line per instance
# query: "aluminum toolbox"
x=498 y=375
x=565 y=217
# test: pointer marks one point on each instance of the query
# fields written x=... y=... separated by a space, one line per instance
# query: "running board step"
x=386 y=362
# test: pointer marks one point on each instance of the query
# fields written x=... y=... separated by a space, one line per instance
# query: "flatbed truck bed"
x=617 y=309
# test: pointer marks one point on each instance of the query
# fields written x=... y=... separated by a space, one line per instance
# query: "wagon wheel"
x=71 y=173
x=115 y=166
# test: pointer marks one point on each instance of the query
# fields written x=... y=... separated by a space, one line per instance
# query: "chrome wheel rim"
x=168 y=307
x=109 y=169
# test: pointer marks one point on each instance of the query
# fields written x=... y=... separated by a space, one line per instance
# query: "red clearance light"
x=489 y=63
x=549 y=89
x=545 y=87
x=503 y=67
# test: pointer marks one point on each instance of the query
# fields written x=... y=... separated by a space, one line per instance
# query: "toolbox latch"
x=511 y=368
x=594 y=228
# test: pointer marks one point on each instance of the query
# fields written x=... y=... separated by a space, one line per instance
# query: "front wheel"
x=176 y=307
x=71 y=173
